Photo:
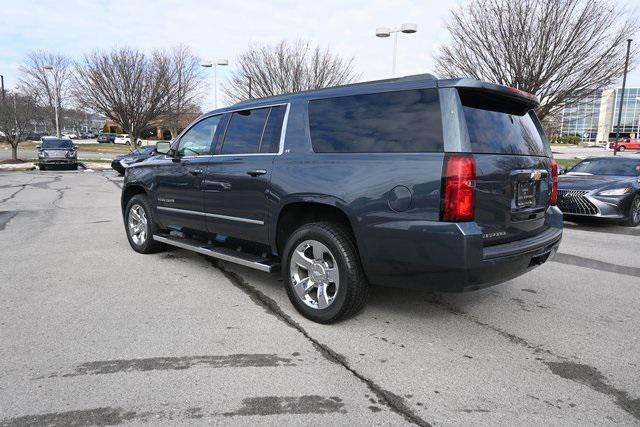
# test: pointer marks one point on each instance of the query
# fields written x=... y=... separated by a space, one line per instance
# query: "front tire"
x=322 y=273
x=634 y=212
x=140 y=226
x=622 y=148
x=42 y=167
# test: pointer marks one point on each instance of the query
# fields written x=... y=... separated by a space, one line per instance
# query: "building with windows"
x=595 y=117
x=580 y=117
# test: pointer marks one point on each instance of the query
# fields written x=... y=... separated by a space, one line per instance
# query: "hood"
x=592 y=182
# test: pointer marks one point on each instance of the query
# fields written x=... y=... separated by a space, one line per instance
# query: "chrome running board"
x=225 y=254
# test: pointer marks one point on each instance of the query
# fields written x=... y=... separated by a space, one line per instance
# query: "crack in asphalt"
x=565 y=368
x=593 y=378
x=394 y=402
x=537 y=349
x=22 y=187
x=595 y=264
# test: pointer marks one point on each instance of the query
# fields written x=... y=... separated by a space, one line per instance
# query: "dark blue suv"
x=408 y=182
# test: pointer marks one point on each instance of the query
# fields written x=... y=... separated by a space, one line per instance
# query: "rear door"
x=238 y=177
x=513 y=165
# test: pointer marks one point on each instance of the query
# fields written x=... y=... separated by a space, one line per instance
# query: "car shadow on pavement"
x=599 y=225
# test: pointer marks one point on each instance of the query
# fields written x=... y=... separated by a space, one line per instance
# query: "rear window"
x=392 y=122
x=498 y=128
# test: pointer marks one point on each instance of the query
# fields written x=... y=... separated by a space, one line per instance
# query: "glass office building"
x=580 y=117
x=630 y=122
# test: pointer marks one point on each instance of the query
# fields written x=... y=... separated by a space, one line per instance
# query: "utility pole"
x=2 y=83
x=249 y=77
x=624 y=83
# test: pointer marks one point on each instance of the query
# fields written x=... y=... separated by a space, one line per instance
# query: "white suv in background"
x=123 y=138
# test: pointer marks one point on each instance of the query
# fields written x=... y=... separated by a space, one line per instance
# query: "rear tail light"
x=458 y=188
x=553 y=196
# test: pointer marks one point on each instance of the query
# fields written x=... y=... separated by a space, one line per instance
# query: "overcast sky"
x=217 y=29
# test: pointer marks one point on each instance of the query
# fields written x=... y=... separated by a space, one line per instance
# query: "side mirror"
x=38 y=147
x=562 y=171
x=163 y=147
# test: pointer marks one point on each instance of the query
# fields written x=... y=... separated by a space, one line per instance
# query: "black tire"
x=634 y=212
x=351 y=295
x=622 y=148
x=42 y=167
x=148 y=246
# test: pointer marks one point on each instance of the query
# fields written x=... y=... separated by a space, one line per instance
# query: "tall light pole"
x=624 y=83
x=408 y=28
x=55 y=98
x=214 y=64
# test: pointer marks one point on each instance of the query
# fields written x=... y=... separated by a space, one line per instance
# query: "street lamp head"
x=48 y=67
x=222 y=62
x=409 y=28
x=206 y=64
x=383 y=32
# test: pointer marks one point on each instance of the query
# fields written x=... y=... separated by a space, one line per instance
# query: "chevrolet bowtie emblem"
x=535 y=176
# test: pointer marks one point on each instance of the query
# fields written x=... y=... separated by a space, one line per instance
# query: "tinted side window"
x=244 y=131
x=404 y=121
x=271 y=136
x=198 y=139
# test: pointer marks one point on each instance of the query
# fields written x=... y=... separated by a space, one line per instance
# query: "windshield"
x=56 y=143
x=619 y=167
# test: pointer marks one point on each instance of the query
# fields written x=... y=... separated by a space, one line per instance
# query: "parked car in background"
x=124 y=139
x=106 y=137
x=34 y=136
x=57 y=152
x=120 y=163
x=625 y=144
x=70 y=135
x=602 y=187
x=409 y=182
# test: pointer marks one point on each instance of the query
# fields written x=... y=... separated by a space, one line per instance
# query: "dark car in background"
x=57 y=152
x=409 y=182
x=106 y=138
x=602 y=187
x=120 y=163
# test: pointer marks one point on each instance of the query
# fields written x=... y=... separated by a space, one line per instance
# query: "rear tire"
x=622 y=148
x=42 y=167
x=322 y=272
x=140 y=226
x=634 y=212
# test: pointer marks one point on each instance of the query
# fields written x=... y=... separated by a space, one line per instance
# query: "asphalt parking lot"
x=94 y=333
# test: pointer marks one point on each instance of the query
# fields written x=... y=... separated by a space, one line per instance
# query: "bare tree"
x=286 y=67
x=128 y=86
x=47 y=86
x=555 y=49
x=16 y=113
x=189 y=85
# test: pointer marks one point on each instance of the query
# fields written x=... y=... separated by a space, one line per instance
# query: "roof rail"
x=414 y=77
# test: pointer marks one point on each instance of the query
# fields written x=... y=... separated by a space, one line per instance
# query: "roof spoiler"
x=516 y=95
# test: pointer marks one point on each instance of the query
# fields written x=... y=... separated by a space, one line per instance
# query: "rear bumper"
x=451 y=256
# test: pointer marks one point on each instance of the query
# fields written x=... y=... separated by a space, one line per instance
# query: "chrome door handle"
x=256 y=172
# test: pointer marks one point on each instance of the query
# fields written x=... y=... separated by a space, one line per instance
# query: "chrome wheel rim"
x=314 y=274
x=137 y=225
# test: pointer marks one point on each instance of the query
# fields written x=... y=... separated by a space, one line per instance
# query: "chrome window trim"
x=231 y=218
x=285 y=122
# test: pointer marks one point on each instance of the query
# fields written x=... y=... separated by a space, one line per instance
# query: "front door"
x=238 y=177
x=180 y=202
